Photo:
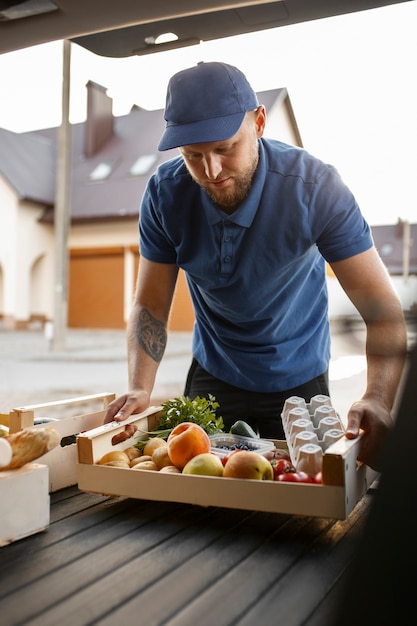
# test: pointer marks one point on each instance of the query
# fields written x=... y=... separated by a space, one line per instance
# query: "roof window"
x=143 y=164
x=102 y=171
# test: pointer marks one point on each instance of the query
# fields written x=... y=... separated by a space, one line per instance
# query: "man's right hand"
x=127 y=404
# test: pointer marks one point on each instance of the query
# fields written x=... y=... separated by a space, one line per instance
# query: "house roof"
x=391 y=240
x=119 y=195
x=27 y=160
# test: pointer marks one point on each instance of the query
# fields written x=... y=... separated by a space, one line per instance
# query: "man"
x=252 y=222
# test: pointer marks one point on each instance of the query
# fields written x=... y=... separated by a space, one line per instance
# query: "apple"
x=248 y=464
x=226 y=457
x=206 y=464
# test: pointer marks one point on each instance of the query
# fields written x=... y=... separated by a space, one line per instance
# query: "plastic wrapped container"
x=223 y=444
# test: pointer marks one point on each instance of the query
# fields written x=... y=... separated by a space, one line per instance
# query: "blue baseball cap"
x=206 y=103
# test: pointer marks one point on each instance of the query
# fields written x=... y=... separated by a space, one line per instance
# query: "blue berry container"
x=223 y=444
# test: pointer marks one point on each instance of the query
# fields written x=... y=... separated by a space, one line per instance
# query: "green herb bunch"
x=201 y=411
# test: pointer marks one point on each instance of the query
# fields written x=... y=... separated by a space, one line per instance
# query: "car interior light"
x=18 y=9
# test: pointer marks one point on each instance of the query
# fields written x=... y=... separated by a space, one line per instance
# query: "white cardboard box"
x=344 y=481
x=62 y=460
x=24 y=502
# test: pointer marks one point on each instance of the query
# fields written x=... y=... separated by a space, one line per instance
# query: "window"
x=102 y=171
x=386 y=249
x=143 y=164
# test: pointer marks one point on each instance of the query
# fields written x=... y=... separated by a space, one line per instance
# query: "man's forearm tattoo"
x=151 y=335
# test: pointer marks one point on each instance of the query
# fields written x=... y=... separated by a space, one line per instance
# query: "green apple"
x=247 y=464
x=205 y=464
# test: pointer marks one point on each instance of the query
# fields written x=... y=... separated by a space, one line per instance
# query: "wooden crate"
x=25 y=503
x=345 y=481
x=62 y=460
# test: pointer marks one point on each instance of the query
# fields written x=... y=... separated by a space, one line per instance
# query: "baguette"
x=30 y=444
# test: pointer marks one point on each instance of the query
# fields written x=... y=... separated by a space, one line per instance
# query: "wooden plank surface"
x=118 y=560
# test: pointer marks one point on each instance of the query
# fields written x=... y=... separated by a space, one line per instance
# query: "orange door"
x=96 y=286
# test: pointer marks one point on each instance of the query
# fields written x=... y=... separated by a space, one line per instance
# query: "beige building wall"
x=26 y=261
x=8 y=229
x=104 y=234
x=35 y=265
x=280 y=125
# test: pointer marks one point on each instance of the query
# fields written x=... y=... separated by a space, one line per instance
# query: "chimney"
x=99 y=125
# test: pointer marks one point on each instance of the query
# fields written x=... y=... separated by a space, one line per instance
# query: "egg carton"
x=310 y=428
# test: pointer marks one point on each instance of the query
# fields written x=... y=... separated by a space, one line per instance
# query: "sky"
x=351 y=81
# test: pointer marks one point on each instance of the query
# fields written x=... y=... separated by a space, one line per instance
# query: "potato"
x=133 y=453
x=160 y=457
x=152 y=444
x=146 y=465
x=170 y=469
x=116 y=463
x=140 y=459
x=114 y=455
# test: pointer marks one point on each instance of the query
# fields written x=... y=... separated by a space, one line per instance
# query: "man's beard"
x=229 y=202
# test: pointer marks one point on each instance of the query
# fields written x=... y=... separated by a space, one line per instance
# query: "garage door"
x=96 y=288
x=96 y=282
x=182 y=313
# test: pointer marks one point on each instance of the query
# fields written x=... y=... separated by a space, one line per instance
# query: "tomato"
x=281 y=466
x=318 y=478
x=295 y=477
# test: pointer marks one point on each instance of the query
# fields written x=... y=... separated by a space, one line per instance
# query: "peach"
x=186 y=441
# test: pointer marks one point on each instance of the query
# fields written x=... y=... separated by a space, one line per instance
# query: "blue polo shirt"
x=257 y=277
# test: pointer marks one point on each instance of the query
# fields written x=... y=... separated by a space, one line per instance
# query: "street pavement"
x=94 y=362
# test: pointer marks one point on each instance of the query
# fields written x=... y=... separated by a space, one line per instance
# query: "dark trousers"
x=261 y=410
